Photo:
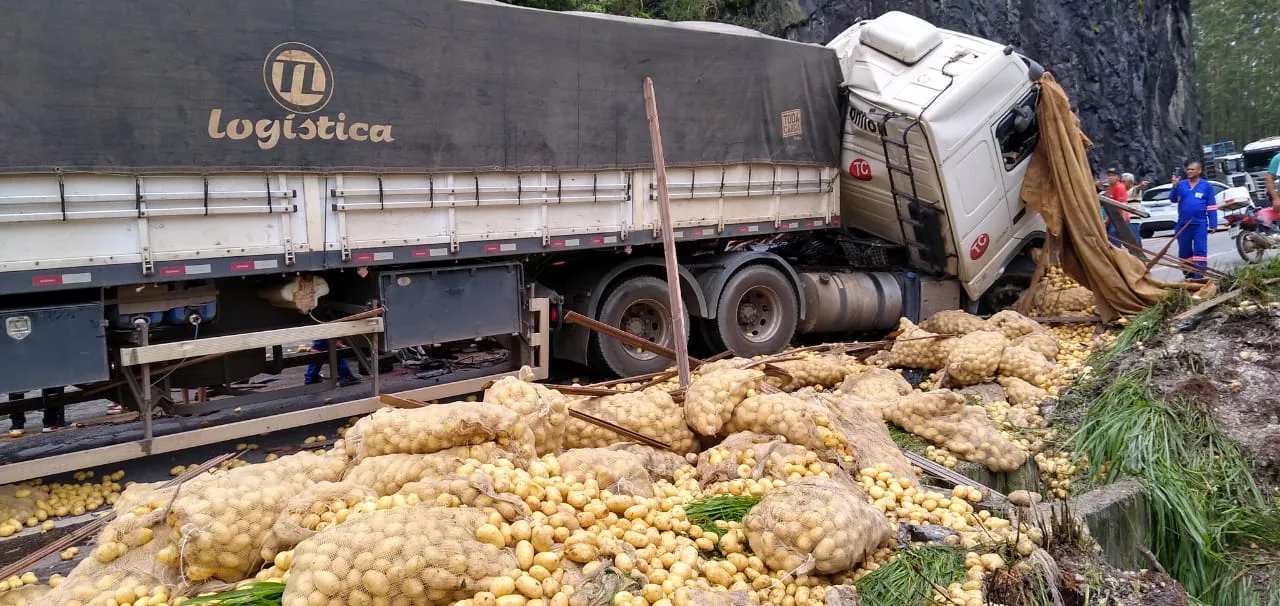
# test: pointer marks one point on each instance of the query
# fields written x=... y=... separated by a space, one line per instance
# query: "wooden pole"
x=681 y=344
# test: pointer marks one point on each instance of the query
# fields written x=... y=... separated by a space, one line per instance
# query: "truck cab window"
x=1018 y=132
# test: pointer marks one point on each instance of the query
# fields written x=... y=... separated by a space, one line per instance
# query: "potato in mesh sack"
x=711 y=397
x=662 y=464
x=1012 y=324
x=1021 y=362
x=617 y=471
x=876 y=384
x=439 y=427
x=826 y=370
x=1022 y=393
x=475 y=489
x=1076 y=300
x=915 y=347
x=1041 y=342
x=651 y=412
x=423 y=555
x=975 y=357
x=953 y=322
x=815 y=524
x=317 y=507
x=801 y=421
x=695 y=596
x=545 y=410
x=27 y=595
x=124 y=580
x=749 y=455
x=222 y=520
x=385 y=474
x=942 y=418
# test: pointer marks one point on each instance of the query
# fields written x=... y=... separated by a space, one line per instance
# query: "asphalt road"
x=1222 y=253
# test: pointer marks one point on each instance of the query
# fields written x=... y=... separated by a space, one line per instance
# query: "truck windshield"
x=1234 y=165
x=1257 y=160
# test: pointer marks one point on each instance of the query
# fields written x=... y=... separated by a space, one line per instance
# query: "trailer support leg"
x=144 y=399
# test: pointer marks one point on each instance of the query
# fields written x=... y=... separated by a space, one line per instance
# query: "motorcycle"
x=1255 y=230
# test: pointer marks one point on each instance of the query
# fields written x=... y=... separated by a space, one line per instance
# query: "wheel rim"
x=1250 y=247
x=759 y=314
x=649 y=320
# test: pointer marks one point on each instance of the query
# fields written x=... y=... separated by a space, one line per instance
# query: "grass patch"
x=913 y=577
x=906 y=440
x=254 y=594
x=1204 y=504
x=1252 y=278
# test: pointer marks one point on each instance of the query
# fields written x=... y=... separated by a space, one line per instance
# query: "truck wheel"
x=757 y=313
x=641 y=307
x=1006 y=291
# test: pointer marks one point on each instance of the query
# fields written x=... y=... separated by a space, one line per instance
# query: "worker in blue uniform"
x=1197 y=214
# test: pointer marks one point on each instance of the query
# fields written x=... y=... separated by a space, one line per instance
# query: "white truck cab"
x=939 y=129
x=1257 y=157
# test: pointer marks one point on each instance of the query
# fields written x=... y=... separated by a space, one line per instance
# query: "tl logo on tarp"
x=300 y=80
x=792 y=126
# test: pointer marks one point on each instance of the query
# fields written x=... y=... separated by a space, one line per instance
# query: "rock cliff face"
x=1127 y=66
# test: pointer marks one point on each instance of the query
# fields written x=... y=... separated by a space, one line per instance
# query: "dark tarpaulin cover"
x=394 y=85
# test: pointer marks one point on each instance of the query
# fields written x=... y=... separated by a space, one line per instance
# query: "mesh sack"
x=876 y=384
x=27 y=595
x=662 y=464
x=385 y=474
x=727 y=363
x=966 y=431
x=815 y=370
x=842 y=595
x=1069 y=301
x=914 y=349
x=862 y=423
x=711 y=397
x=319 y=506
x=751 y=456
x=953 y=322
x=223 y=519
x=1025 y=364
x=651 y=412
x=1022 y=393
x=475 y=489
x=18 y=502
x=546 y=411
x=439 y=427
x=1012 y=324
x=1041 y=342
x=132 y=529
x=137 y=574
x=422 y=555
x=975 y=357
x=597 y=583
x=617 y=471
x=815 y=524
x=801 y=421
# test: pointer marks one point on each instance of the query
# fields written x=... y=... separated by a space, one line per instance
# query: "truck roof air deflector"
x=901 y=36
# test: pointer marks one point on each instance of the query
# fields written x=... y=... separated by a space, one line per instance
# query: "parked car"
x=1164 y=215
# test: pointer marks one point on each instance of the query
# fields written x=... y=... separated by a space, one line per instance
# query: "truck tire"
x=640 y=306
x=757 y=313
x=1006 y=291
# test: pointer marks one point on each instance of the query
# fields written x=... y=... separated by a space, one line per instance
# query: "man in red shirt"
x=1117 y=191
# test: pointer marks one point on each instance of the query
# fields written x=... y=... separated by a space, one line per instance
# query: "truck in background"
x=475 y=173
x=1257 y=157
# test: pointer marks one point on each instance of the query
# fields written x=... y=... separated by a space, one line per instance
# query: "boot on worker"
x=1197 y=214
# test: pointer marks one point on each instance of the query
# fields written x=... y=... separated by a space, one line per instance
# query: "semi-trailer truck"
x=185 y=190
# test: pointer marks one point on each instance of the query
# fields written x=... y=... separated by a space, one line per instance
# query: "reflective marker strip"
x=835 y=221
x=604 y=240
x=185 y=270
x=493 y=248
x=425 y=253
x=61 y=279
x=377 y=256
x=678 y=234
x=815 y=223
x=566 y=243
x=791 y=225
x=252 y=265
x=704 y=232
x=748 y=229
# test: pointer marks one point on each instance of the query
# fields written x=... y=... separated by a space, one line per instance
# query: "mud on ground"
x=1229 y=363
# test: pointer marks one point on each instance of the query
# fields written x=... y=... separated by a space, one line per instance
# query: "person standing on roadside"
x=1117 y=191
x=1197 y=214
x=1135 y=191
x=1273 y=175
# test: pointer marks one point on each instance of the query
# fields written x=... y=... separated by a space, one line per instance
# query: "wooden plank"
x=681 y=337
x=163 y=352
